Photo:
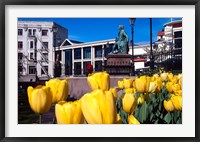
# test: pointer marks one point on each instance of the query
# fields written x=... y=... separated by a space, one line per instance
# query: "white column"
x=93 y=57
x=53 y=61
x=103 y=53
x=63 y=63
x=72 y=62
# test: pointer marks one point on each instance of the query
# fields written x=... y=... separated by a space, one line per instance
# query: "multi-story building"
x=170 y=39
x=36 y=43
x=75 y=56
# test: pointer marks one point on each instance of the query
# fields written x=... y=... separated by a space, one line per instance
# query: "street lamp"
x=132 y=22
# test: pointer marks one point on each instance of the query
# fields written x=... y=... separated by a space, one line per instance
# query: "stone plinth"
x=118 y=64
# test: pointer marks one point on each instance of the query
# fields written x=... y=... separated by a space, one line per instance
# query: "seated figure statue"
x=121 y=43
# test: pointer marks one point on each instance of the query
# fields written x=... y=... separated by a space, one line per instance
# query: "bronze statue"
x=121 y=44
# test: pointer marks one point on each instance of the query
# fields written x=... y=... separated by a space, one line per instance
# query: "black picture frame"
x=4 y=3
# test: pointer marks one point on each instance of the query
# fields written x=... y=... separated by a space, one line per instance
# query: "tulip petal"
x=90 y=108
x=107 y=107
x=60 y=114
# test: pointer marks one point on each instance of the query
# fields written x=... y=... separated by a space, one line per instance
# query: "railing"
x=170 y=60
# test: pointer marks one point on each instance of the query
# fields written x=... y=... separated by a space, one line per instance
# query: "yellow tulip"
x=169 y=87
x=114 y=92
x=168 y=105
x=180 y=76
x=177 y=102
x=155 y=76
x=163 y=76
x=130 y=91
x=159 y=83
x=99 y=80
x=120 y=84
x=140 y=84
x=129 y=103
x=176 y=87
x=153 y=87
x=132 y=120
x=148 y=80
x=69 y=113
x=98 y=107
x=170 y=76
x=40 y=99
x=58 y=89
x=128 y=83
x=174 y=79
x=140 y=99
x=178 y=93
x=180 y=82
x=119 y=120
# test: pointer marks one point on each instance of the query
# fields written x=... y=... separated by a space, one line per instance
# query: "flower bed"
x=155 y=99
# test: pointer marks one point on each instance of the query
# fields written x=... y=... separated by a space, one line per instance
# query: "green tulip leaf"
x=143 y=112
x=137 y=95
x=175 y=115
x=168 y=118
x=156 y=122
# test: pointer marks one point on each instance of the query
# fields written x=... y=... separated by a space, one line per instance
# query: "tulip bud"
x=98 y=107
x=100 y=80
x=169 y=87
x=176 y=87
x=140 y=84
x=130 y=91
x=39 y=99
x=69 y=113
x=163 y=76
x=58 y=89
x=128 y=83
x=129 y=103
x=170 y=76
x=177 y=102
x=119 y=120
x=140 y=99
x=120 y=84
x=152 y=87
x=168 y=105
x=132 y=120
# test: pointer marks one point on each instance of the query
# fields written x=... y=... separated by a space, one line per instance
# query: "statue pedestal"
x=118 y=64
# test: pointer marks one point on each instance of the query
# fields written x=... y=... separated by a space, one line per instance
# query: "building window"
x=77 y=68
x=85 y=66
x=178 y=34
x=30 y=32
x=98 y=65
x=45 y=56
x=34 y=31
x=31 y=44
x=20 y=44
x=20 y=56
x=87 y=53
x=44 y=32
x=31 y=69
x=107 y=49
x=46 y=45
x=77 y=53
x=68 y=62
x=20 y=31
x=178 y=43
x=98 y=52
x=31 y=56
x=46 y=69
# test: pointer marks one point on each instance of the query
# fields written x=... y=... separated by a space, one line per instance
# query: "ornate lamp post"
x=132 y=22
